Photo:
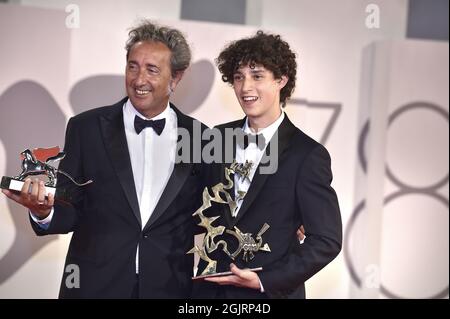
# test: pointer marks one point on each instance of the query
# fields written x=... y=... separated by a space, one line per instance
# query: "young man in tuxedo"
x=132 y=226
x=262 y=71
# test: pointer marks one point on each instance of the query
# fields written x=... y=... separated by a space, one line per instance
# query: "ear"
x=175 y=80
x=283 y=81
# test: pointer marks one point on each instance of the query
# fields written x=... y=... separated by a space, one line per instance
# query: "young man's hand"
x=240 y=278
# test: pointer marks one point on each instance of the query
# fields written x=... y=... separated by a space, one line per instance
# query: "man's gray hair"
x=172 y=38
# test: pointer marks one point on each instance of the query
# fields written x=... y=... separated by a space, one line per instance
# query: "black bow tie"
x=157 y=125
x=258 y=139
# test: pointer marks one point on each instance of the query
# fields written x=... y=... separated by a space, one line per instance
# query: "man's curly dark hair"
x=265 y=49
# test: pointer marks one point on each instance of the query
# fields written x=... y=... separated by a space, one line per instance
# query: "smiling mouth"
x=249 y=99
x=141 y=92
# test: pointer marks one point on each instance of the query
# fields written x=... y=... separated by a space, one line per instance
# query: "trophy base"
x=220 y=274
x=15 y=185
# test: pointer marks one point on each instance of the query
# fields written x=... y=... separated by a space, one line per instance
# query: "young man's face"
x=258 y=92
x=148 y=77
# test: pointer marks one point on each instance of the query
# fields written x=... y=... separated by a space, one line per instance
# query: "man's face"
x=148 y=77
x=258 y=92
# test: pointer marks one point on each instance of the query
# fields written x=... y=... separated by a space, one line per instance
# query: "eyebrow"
x=251 y=70
x=146 y=65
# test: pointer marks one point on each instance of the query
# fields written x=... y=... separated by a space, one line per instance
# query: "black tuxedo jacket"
x=298 y=193
x=105 y=218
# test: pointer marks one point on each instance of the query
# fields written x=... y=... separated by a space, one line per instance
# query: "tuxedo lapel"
x=226 y=145
x=176 y=181
x=230 y=140
x=284 y=134
x=113 y=131
x=179 y=175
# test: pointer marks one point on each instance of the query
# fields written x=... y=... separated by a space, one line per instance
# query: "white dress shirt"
x=252 y=154
x=152 y=159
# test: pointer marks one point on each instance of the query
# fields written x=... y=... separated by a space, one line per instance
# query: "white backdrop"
x=345 y=78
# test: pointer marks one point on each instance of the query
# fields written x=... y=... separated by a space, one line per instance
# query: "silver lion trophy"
x=37 y=162
x=247 y=245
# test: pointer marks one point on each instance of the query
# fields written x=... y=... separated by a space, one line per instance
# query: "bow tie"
x=258 y=139
x=157 y=125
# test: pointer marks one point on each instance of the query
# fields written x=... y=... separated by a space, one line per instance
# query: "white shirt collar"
x=130 y=112
x=268 y=131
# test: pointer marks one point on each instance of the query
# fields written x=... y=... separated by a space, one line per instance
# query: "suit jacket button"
x=145 y=236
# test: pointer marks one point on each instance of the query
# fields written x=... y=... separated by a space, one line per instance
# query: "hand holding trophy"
x=38 y=196
x=247 y=246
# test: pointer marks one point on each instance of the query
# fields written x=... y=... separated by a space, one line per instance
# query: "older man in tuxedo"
x=132 y=226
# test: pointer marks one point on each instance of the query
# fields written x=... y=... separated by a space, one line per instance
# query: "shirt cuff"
x=261 y=288
x=302 y=240
x=43 y=223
